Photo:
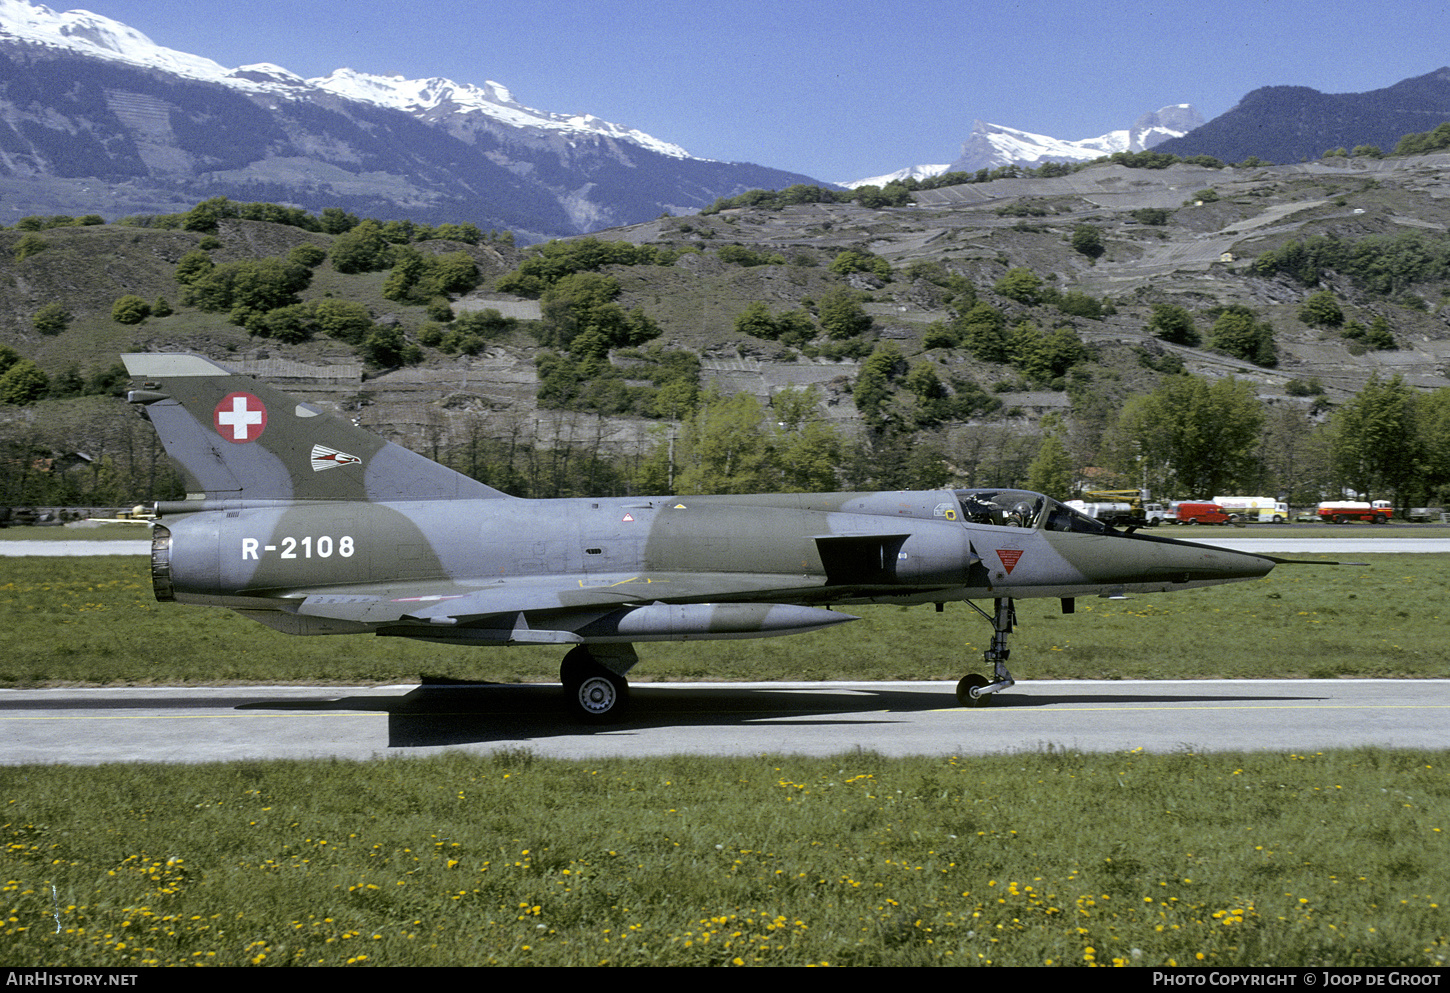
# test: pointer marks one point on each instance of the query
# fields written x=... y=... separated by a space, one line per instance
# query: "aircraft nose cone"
x=1206 y=563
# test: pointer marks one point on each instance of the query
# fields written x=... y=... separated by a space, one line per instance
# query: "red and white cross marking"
x=240 y=418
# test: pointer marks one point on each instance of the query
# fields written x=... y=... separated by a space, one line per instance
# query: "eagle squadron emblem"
x=330 y=458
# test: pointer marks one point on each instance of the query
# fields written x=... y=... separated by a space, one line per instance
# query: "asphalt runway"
x=206 y=724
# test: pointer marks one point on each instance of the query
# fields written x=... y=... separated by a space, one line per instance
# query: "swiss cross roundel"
x=240 y=417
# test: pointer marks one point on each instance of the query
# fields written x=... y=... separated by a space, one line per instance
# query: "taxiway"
x=204 y=724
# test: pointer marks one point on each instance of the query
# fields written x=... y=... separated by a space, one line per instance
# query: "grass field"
x=1062 y=858
x=1050 y=858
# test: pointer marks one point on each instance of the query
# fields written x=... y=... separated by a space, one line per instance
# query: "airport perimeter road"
x=91 y=726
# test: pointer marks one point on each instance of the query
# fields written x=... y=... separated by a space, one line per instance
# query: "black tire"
x=974 y=681
x=594 y=694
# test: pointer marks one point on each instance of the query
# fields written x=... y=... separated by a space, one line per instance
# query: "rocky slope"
x=1215 y=222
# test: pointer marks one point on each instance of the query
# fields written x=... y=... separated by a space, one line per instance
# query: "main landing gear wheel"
x=968 y=691
x=595 y=694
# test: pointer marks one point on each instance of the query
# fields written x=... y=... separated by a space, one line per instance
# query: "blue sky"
x=836 y=90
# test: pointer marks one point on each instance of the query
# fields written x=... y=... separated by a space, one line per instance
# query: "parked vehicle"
x=1124 y=508
x=1344 y=511
x=1254 y=509
x=1116 y=514
x=1199 y=512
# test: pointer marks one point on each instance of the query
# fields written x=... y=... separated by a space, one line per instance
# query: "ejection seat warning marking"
x=1009 y=557
x=240 y=418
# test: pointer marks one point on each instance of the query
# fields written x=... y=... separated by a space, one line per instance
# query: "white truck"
x=1242 y=509
x=1113 y=513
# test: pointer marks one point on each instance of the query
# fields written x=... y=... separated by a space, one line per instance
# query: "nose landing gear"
x=975 y=690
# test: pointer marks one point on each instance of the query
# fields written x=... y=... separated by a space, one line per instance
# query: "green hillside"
x=943 y=342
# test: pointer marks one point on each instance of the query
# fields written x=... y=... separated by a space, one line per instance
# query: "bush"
x=263 y=285
x=343 y=320
x=1321 y=310
x=51 y=319
x=130 y=309
x=308 y=254
x=1022 y=285
x=23 y=383
x=28 y=245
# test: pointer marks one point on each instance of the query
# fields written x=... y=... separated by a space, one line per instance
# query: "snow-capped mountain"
x=83 y=96
x=910 y=172
x=93 y=35
x=992 y=146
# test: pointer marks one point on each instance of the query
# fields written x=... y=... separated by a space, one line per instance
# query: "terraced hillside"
x=1184 y=235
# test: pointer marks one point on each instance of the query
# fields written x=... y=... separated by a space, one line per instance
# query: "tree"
x=387 y=348
x=1376 y=444
x=287 y=325
x=1174 y=323
x=418 y=278
x=1051 y=469
x=982 y=331
x=1189 y=437
x=1088 y=240
x=362 y=249
x=1434 y=423
x=795 y=328
x=842 y=315
x=933 y=402
x=1239 y=334
x=1294 y=457
x=722 y=448
x=1379 y=335
x=253 y=286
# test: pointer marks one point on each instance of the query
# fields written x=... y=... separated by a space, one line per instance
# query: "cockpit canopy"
x=1024 y=509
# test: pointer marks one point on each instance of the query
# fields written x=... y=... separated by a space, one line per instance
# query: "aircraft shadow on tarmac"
x=479 y=713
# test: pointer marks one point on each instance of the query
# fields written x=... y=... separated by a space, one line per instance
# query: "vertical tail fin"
x=236 y=438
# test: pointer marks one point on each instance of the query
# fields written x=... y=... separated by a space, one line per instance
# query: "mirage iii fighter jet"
x=300 y=520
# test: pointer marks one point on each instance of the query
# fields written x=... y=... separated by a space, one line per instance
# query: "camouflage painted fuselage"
x=311 y=525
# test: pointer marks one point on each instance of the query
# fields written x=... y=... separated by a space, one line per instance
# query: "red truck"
x=1344 y=511
x=1199 y=512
